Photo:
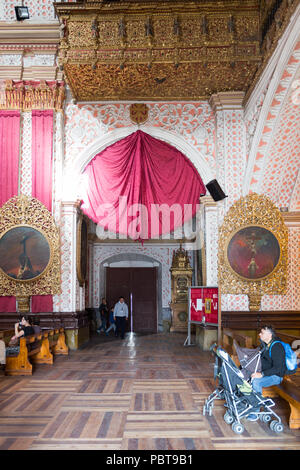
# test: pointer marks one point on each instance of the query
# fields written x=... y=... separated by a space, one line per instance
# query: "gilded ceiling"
x=167 y=50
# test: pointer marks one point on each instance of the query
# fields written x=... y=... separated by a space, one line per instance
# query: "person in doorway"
x=273 y=365
x=112 y=323
x=103 y=316
x=120 y=317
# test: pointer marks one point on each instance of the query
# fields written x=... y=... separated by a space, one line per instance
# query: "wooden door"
x=138 y=287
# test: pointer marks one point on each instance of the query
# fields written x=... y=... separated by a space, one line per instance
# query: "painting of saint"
x=253 y=252
x=24 y=253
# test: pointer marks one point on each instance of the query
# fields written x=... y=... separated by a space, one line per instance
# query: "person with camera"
x=23 y=328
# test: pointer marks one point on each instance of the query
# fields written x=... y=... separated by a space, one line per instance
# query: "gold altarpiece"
x=253 y=250
x=29 y=251
x=181 y=280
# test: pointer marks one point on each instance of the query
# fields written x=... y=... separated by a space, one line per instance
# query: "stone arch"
x=264 y=169
x=74 y=169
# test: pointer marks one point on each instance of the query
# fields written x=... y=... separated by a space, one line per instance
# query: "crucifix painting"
x=24 y=253
x=253 y=252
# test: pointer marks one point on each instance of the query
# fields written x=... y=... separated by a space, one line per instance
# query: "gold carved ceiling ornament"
x=29 y=249
x=28 y=95
x=253 y=250
x=164 y=50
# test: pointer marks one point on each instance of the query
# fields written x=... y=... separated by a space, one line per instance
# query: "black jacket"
x=103 y=309
x=274 y=364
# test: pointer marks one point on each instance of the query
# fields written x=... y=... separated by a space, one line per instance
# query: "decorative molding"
x=28 y=95
x=227 y=101
x=291 y=219
x=174 y=50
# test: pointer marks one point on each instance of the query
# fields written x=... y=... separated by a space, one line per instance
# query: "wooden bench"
x=57 y=341
x=39 y=348
x=228 y=338
x=289 y=389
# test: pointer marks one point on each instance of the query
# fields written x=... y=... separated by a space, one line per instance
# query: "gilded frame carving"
x=253 y=211
x=25 y=211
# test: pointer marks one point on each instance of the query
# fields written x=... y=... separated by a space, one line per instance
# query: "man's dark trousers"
x=120 y=323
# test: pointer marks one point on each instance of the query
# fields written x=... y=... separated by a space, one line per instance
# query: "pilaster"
x=67 y=301
x=230 y=144
x=210 y=229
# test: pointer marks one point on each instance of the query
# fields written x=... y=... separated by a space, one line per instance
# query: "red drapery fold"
x=141 y=187
x=9 y=173
x=42 y=146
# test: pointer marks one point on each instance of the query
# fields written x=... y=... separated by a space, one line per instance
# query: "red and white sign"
x=203 y=304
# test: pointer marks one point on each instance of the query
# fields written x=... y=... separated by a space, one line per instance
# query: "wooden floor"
x=143 y=393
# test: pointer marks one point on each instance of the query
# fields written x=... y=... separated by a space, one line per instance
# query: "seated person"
x=23 y=328
x=273 y=365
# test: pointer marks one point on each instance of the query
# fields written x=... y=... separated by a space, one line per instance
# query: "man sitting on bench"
x=273 y=366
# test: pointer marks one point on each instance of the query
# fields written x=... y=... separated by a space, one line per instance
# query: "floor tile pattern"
x=142 y=393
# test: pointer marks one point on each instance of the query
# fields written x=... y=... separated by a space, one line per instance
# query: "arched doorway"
x=138 y=278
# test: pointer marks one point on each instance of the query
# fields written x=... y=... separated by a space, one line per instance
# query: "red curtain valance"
x=141 y=187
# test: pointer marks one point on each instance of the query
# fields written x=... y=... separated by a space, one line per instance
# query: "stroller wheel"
x=276 y=426
x=228 y=418
x=238 y=428
x=265 y=418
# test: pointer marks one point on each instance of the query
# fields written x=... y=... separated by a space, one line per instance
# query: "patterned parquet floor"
x=141 y=393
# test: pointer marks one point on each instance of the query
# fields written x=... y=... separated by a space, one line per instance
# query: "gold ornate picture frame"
x=253 y=250
x=29 y=233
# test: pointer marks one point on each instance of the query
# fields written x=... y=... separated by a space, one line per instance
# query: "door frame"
x=128 y=260
x=131 y=290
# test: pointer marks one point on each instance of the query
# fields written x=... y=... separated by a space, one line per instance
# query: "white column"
x=69 y=282
x=210 y=229
x=231 y=145
x=25 y=177
x=231 y=152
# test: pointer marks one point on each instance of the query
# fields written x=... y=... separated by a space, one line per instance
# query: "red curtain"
x=9 y=173
x=42 y=147
x=141 y=187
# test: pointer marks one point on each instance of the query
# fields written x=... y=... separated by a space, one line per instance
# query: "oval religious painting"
x=253 y=252
x=24 y=253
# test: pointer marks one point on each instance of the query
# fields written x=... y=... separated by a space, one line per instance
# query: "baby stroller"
x=240 y=398
x=250 y=360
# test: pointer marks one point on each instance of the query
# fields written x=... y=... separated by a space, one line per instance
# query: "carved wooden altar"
x=181 y=280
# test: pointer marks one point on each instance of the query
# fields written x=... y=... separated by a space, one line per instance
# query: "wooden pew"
x=58 y=342
x=228 y=337
x=35 y=349
x=19 y=364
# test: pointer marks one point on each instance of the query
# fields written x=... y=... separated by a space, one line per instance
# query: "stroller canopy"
x=249 y=359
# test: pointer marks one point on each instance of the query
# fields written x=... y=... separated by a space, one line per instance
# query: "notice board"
x=203 y=304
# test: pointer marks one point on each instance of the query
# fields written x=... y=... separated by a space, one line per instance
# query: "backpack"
x=290 y=357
